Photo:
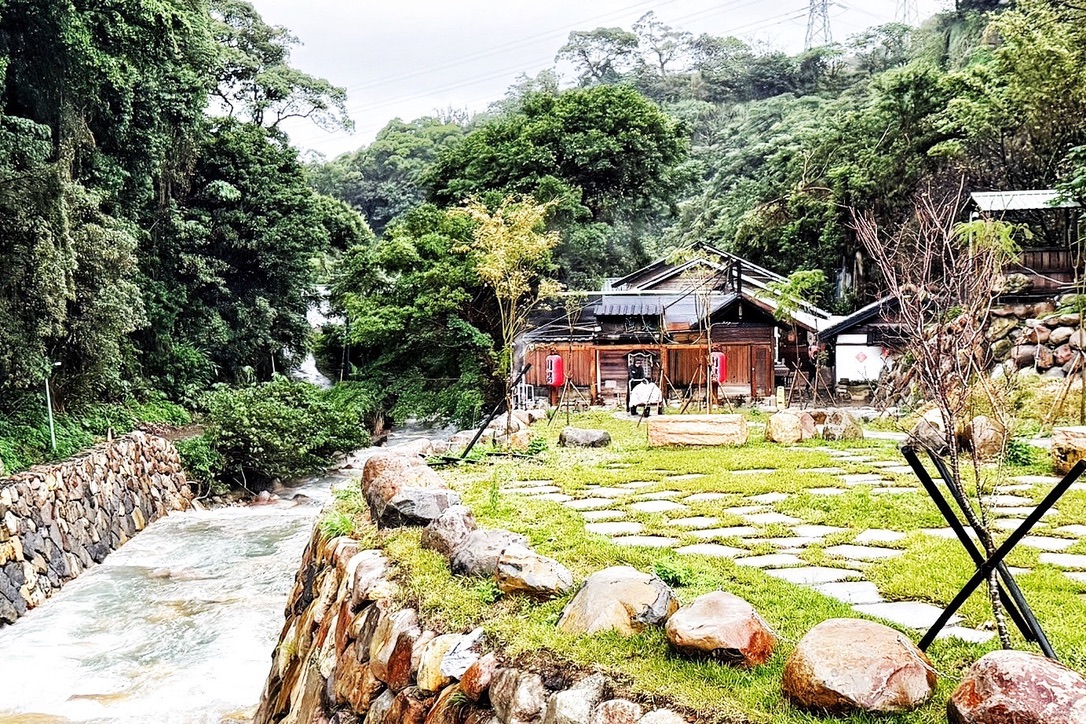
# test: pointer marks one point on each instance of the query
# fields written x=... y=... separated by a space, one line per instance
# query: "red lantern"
x=556 y=371
x=718 y=371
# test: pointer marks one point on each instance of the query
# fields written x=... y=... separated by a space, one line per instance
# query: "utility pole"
x=818 y=24
x=908 y=12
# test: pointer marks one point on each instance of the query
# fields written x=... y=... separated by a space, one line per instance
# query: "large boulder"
x=721 y=626
x=703 y=430
x=575 y=704
x=1060 y=335
x=841 y=425
x=387 y=635
x=1016 y=687
x=621 y=599
x=847 y=664
x=789 y=427
x=449 y=530
x=929 y=433
x=579 y=437
x=522 y=570
x=985 y=437
x=404 y=490
x=478 y=553
x=430 y=677
x=1068 y=447
x=475 y=683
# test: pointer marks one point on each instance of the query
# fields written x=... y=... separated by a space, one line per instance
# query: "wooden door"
x=761 y=377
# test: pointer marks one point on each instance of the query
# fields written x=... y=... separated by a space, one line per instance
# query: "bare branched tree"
x=946 y=277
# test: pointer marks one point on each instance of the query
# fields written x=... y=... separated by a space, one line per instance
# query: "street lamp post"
x=49 y=407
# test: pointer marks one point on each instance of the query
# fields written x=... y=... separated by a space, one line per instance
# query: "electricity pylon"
x=818 y=24
x=908 y=12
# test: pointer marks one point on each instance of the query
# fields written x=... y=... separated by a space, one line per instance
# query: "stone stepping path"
x=970 y=635
x=861 y=479
x=638 y=484
x=851 y=592
x=816 y=531
x=825 y=471
x=769 y=498
x=814 y=575
x=612 y=529
x=1007 y=501
x=1045 y=543
x=646 y=541
x=659 y=495
x=863 y=553
x=714 y=550
x=1013 y=523
x=737 y=531
x=796 y=543
x=555 y=497
x=1064 y=560
x=609 y=492
x=589 y=503
x=773 y=560
x=1021 y=512
x=876 y=535
x=909 y=614
x=770 y=519
x=656 y=506
x=707 y=497
x=698 y=521
x=1079 y=531
x=594 y=515
x=746 y=510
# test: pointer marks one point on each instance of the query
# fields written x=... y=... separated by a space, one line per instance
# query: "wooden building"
x=669 y=317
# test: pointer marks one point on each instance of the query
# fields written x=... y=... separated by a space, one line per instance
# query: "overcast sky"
x=407 y=58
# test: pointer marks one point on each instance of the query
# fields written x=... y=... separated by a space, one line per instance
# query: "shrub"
x=202 y=462
x=280 y=429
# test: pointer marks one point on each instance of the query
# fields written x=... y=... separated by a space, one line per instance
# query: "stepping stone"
x=862 y=479
x=910 y=614
x=689 y=476
x=646 y=541
x=609 y=492
x=1045 y=543
x=737 y=531
x=593 y=515
x=826 y=491
x=528 y=483
x=536 y=491
x=711 y=549
x=1064 y=560
x=638 y=484
x=611 y=529
x=588 y=503
x=877 y=535
x=790 y=543
x=813 y=575
x=773 y=560
x=758 y=471
x=707 y=497
x=1076 y=576
x=815 y=531
x=768 y=498
x=969 y=635
x=1036 y=479
x=1008 y=489
x=1007 y=501
x=1013 y=523
x=747 y=510
x=555 y=497
x=659 y=495
x=825 y=471
x=902 y=470
x=656 y=506
x=698 y=521
x=1079 y=531
x=770 y=519
x=851 y=591
x=1020 y=512
x=863 y=553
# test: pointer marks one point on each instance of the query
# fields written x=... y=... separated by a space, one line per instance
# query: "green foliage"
x=279 y=429
x=1020 y=453
x=203 y=463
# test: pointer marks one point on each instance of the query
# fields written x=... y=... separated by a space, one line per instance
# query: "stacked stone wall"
x=58 y=520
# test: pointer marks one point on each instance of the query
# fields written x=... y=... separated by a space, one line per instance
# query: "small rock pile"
x=1036 y=337
x=792 y=426
x=512 y=433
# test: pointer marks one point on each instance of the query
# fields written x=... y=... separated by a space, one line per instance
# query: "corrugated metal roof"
x=1021 y=200
x=629 y=307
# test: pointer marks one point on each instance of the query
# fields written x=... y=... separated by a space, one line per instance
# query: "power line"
x=818 y=25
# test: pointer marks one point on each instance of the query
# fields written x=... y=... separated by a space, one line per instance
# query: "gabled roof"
x=864 y=314
x=671 y=266
x=1037 y=199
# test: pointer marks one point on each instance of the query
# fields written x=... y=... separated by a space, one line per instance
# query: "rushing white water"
x=176 y=626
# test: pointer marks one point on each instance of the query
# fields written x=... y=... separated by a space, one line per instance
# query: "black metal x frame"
x=1014 y=602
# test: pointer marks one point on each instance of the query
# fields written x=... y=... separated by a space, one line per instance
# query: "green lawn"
x=931 y=569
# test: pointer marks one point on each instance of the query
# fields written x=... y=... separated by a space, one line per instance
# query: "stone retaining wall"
x=57 y=520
